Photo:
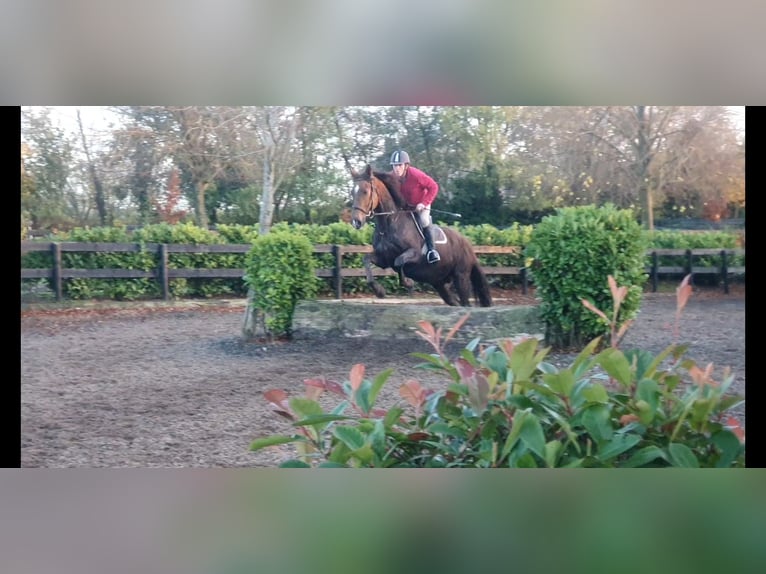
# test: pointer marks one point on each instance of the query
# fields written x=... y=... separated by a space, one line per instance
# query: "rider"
x=419 y=190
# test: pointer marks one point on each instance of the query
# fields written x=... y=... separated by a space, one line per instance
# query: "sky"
x=98 y=118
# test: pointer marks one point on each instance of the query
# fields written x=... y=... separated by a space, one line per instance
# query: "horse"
x=398 y=243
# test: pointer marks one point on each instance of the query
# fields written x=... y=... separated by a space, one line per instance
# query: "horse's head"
x=365 y=195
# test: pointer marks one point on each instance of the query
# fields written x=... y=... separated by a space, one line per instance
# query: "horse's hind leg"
x=376 y=287
x=446 y=294
x=462 y=282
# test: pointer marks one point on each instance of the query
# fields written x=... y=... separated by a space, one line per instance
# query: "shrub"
x=280 y=271
x=574 y=252
x=504 y=406
x=191 y=234
x=115 y=289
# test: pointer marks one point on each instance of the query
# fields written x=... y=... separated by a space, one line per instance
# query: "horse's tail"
x=480 y=286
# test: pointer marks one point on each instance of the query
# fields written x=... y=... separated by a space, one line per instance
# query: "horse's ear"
x=353 y=172
x=368 y=171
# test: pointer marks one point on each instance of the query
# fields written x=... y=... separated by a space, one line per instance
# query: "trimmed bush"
x=280 y=272
x=574 y=252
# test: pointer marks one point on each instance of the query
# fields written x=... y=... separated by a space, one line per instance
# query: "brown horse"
x=398 y=243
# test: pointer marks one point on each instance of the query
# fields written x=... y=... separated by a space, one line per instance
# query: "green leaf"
x=526 y=461
x=443 y=428
x=331 y=464
x=616 y=365
x=473 y=343
x=364 y=454
x=340 y=454
x=644 y=456
x=643 y=360
x=595 y=393
x=377 y=437
x=619 y=444
x=392 y=416
x=260 y=443
x=566 y=427
x=458 y=389
x=561 y=382
x=552 y=450
x=648 y=390
x=581 y=363
x=319 y=420
x=522 y=361
x=648 y=397
x=362 y=396
x=294 y=464
x=596 y=421
x=681 y=455
x=729 y=402
x=304 y=407
x=434 y=360
x=547 y=368
x=378 y=383
x=532 y=435
x=497 y=362
x=729 y=445
x=478 y=391
x=542 y=389
x=513 y=436
x=350 y=436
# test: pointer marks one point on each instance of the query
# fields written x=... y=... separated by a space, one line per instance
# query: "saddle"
x=438 y=234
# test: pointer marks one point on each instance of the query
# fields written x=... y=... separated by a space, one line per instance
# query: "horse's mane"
x=393 y=185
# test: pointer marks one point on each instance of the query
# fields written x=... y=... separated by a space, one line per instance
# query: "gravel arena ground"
x=176 y=385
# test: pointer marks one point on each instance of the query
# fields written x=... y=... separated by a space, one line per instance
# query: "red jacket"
x=417 y=187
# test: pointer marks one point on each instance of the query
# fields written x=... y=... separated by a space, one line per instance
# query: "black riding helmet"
x=400 y=156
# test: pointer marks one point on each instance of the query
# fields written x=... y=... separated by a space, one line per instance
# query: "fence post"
x=655 y=272
x=337 y=252
x=57 y=283
x=689 y=267
x=724 y=272
x=523 y=272
x=163 y=272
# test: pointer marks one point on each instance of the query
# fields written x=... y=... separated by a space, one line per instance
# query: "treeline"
x=268 y=164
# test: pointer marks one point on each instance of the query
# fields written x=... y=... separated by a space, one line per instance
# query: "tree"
x=48 y=164
x=98 y=188
x=276 y=128
x=167 y=206
x=201 y=140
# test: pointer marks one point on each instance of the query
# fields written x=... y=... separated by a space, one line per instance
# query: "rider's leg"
x=424 y=218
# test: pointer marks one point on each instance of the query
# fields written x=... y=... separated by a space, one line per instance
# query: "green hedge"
x=335 y=233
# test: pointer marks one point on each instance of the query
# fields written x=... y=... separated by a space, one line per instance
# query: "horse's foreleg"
x=408 y=283
x=376 y=287
x=409 y=256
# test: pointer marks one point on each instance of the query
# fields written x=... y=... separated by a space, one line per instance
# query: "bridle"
x=374 y=202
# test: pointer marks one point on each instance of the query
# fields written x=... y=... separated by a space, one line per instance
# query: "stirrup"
x=433 y=256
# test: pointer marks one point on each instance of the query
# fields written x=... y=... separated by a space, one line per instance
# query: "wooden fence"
x=337 y=273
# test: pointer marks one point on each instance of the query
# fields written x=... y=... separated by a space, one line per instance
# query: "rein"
x=371 y=213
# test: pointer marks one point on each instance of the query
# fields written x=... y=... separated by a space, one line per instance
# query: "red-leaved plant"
x=504 y=406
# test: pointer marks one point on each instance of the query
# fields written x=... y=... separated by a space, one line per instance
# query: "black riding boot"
x=432 y=256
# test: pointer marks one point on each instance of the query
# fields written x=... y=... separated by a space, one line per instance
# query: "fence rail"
x=163 y=273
